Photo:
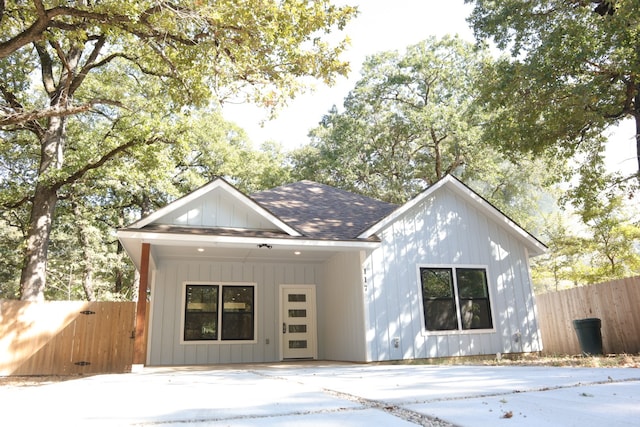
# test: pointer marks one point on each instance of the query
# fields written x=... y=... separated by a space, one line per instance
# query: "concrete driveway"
x=331 y=394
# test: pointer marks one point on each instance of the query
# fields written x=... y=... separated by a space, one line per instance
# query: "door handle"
x=284 y=328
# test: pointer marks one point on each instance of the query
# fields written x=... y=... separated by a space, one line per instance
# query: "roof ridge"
x=335 y=189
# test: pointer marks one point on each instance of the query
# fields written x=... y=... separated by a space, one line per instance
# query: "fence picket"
x=54 y=338
x=615 y=303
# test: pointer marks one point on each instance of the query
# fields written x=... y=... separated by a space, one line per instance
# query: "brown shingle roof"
x=320 y=211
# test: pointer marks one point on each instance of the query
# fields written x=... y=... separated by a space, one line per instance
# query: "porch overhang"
x=236 y=247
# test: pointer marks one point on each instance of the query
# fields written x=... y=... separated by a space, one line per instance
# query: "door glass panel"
x=297 y=298
x=297 y=328
x=298 y=344
x=297 y=313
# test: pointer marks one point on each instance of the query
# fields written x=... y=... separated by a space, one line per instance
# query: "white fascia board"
x=218 y=182
x=204 y=240
x=176 y=204
x=133 y=249
x=537 y=247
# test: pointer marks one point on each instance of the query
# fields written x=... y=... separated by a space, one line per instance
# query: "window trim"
x=454 y=267
x=218 y=341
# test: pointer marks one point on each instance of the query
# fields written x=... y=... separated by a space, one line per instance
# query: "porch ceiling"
x=203 y=252
x=222 y=247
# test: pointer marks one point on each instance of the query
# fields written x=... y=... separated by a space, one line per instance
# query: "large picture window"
x=455 y=298
x=219 y=312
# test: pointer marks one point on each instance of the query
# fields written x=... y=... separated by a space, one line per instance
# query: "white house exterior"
x=308 y=271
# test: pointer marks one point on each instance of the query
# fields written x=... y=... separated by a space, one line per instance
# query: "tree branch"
x=56 y=111
x=105 y=158
x=15 y=105
x=17 y=203
x=89 y=64
x=46 y=19
x=33 y=33
x=47 y=68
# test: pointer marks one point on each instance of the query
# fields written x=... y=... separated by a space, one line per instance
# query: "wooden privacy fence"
x=616 y=304
x=65 y=337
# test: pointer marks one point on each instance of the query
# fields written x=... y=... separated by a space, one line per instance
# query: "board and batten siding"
x=446 y=230
x=217 y=209
x=167 y=309
x=342 y=307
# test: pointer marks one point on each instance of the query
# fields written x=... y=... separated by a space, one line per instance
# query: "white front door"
x=298 y=321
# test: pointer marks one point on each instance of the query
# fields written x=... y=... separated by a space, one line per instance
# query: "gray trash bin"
x=589 y=335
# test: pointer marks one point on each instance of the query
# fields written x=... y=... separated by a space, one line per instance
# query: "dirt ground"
x=534 y=359
x=608 y=361
x=35 y=380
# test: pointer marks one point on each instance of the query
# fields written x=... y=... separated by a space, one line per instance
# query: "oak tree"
x=573 y=72
x=126 y=68
x=411 y=119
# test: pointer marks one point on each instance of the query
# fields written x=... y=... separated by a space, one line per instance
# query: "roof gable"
x=451 y=183
x=321 y=211
x=216 y=205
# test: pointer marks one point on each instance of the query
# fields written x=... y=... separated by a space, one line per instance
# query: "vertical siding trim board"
x=364 y=316
x=151 y=314
x=370 y=309
x=535 y=338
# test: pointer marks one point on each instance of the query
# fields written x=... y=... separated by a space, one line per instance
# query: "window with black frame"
x=237 y=312
x=455 y=298
x=204 y=321
x=201 y=313
x=473 y=298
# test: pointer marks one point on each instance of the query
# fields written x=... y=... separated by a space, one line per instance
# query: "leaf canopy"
x=574 y=71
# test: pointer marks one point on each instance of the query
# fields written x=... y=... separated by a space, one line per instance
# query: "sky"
x=384 y=25
x=381 y=25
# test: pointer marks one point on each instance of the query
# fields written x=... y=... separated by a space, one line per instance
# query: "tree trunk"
x=638 y=136
x=87 y=253
x=34 y=271
x=118 y=280
x=87 y=282
x=437 y=154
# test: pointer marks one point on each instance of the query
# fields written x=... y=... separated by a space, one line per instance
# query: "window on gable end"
x=455 y=298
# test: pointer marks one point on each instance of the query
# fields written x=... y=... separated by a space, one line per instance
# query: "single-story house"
x=308 y=271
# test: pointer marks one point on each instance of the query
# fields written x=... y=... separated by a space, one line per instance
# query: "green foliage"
x=602 y=244
x=10 y=255
x=615 y=241
x=564 y=263
x=198 y=147
x=198 y=48
x=411 y=119
x=407 y=122
x=85 y=84
x=572 y=73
